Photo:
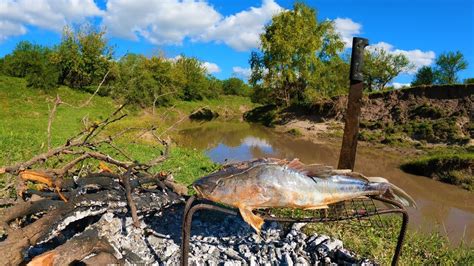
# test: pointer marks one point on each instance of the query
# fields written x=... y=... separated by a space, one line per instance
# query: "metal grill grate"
x=365 y=211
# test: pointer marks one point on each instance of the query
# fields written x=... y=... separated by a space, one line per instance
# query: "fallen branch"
x=128 y=190
x=76 y=249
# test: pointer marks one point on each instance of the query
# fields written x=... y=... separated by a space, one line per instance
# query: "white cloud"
x=256 y=142
x=211 y=67
x=158 y=21
x=8 y=29
x=417 y=57
x=242 y=72
x=242 y=30
x=49 y=14
x=347 y=29
x=397 y=85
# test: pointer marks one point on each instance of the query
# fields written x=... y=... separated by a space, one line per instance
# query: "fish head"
x=205 y=186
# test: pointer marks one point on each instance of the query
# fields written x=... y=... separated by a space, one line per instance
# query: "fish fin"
x=356 y=175
x=253 y=220
x=311 y=170
x=317 y=207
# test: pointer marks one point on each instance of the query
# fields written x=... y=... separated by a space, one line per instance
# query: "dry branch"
x=57 y=102
x=96 y=91
x=76 y=249
x=69 y=200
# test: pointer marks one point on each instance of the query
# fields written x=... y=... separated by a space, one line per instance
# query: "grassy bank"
x=453 y=166
x=25 y=112
x=379 y=243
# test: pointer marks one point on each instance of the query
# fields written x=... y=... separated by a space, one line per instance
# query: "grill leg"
x=189 y=211
x=401 y=237
x=186 y=231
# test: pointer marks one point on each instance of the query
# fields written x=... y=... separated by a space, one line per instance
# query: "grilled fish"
x=270 y=183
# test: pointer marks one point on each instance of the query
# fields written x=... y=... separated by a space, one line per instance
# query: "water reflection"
x=440 y=206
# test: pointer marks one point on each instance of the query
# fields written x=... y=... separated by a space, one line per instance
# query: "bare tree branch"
x=57 y=102
x=95 y=92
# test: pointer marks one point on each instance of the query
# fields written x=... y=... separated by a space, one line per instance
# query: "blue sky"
x=223 y=33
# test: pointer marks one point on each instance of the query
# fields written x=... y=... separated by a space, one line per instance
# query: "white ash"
x=219 y=239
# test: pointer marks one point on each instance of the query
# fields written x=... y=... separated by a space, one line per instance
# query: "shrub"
x=235 y=86
x=32 y=62
x=265 y=115
x=426 y=111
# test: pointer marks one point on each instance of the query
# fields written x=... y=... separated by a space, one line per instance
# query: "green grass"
x=24 y=118
x=379 y=243
x=295 y=132
x=453 y=166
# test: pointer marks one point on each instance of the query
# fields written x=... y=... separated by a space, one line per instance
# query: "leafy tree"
x=235 y=86
x=31 y=61
x=215 y=87
x=83 y=56
x=190 y=76
x=469 y=81
x=381 y=67
x=424 y=76
x=2 y=66
x=448 y=65
x=145 y=81
x=164 y=87
x=294 y=49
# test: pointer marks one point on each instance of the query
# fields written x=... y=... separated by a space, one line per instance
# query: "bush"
x=265 y=115
x=426 y=111
x=32 y=62
x=235 y=86
x=295 y=132
x=455 y=169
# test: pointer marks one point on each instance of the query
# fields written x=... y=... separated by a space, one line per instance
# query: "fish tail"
x=391 y=191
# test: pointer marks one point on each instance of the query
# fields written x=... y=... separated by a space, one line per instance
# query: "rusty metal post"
x=354 y=102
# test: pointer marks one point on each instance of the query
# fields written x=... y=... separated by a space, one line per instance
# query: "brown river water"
x=442 y=207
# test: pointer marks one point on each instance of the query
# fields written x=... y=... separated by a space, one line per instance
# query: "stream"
x=442 y=207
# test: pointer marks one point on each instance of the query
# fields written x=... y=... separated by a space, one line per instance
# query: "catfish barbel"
x=274 y=183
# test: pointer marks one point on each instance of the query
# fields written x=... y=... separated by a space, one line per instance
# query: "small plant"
x=426 y=111
x=295 y=132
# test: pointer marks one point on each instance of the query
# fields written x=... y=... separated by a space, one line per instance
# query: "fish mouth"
x=201 y=187
x=198 y=191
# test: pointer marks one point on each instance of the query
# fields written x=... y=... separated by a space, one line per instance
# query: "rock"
x=287 y=259
x=344 y=256
x=228 y=241
x=298 y=226
x=232 y=254
x=204 y=114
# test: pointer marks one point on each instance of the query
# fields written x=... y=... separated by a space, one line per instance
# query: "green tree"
x=2 y=66
x=164 y=87
x=235 y=86
x=145 y=81
x=190 y=76
x=32 y=62
x=448 y=65
x=424 y=76
x=83 y=56
x=294 y=49
x=381 y=67
x=469 y=81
